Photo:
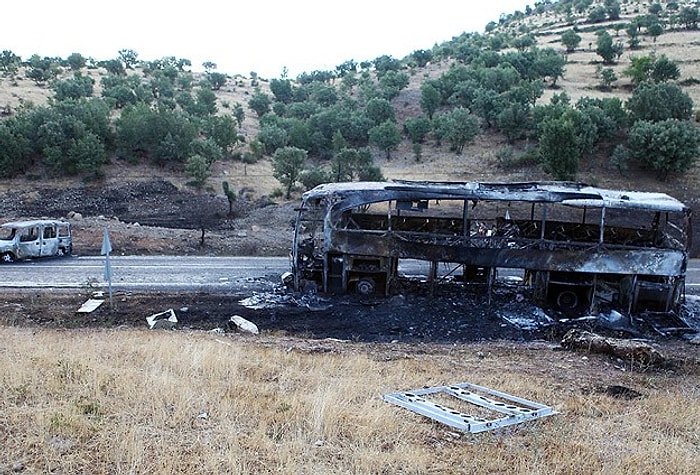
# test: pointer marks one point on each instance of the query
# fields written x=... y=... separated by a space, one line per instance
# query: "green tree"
x=524 y=42
x=198 y=168
x=655 y=8
x=392 y=83
x=612 y=9
x=655 y=30
x=160 y=135
x=221 y=129
x=549 y=64
x=128 y=57
x=597 y=15
x=668 y=146
x=458 y=127
x=417 y=128
x=606 y=49
x=9 y=62
x=314 y=176
x=76 y=61
x=558 y=148
x=380 y=110
x=114 y=66
x=230 y=195
x=422 y=57
x=239 y=114
x=386 y=63
x=287 y=164
x=513 y=121
x=639 y=69
x=42 y=70
x=73 y=88
x=282 y=90
x=607 y=114
x=659 y=101
x=429 y=99
x=386 y=136
x=488 y=104
x=607 y=77
x=206 y=102
x=665 y=70
x=216 y=80
x=689 y=17
x=259 y=103
x=207 y=148
x=273 y=137
x=344 y=164
x=15 y=149
x=570 y=39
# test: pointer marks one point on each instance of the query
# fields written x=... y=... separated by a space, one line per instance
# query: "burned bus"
x=577 y=247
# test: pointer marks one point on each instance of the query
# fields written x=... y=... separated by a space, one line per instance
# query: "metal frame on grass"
x=516 y=409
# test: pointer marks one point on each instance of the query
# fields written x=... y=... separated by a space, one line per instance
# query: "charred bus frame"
x=577 y=246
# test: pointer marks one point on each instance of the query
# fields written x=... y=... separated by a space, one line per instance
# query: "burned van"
x=35 y=238
x=576 y=247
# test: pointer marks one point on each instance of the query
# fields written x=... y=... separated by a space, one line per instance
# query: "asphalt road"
x=151 y=273
x=181 y=273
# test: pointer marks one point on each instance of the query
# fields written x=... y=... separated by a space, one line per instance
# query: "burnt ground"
x=155 y=217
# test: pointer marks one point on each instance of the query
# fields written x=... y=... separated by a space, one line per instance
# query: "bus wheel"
x=365 y=286
x=8 y=258
x=567 y=300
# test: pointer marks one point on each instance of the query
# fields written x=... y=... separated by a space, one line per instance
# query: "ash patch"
x=152 y=203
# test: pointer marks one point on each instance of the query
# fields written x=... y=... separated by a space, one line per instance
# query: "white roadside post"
x=106 y=249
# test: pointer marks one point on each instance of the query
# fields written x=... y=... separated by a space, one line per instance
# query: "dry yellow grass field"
x=139 y=401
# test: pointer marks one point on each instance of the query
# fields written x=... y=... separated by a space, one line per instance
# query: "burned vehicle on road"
x=35 y=238
x=575 y=247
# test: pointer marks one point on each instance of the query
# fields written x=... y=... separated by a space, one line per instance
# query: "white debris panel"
x=509 y=410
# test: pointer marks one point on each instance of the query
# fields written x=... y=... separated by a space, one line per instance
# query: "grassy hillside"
x=479 y=160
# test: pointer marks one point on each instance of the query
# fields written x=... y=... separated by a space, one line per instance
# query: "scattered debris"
x=615 y=321
x=241 y=324
x=629 y=350
x=516 y=409
x=259 y=301
x=163 y=320
x=90 y=305
x=532 y=320
x=287 y=279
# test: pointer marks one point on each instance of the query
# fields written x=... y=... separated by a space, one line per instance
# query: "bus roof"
x=351 y=194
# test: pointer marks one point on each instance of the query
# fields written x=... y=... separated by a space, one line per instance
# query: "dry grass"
x=133 y=401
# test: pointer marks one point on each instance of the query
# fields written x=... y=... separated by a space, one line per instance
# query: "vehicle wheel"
x=365 y=286
x=8 y=258
x=61 y=252
x=567 y=300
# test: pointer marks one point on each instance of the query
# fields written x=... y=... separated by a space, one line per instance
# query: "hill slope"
x=478 y=161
